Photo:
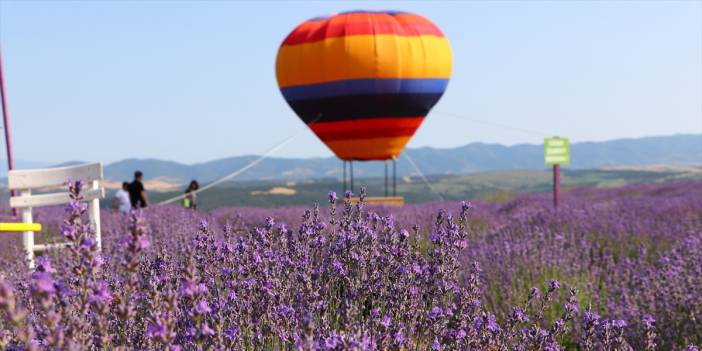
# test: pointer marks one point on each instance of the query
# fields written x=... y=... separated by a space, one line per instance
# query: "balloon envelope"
x=364 y=81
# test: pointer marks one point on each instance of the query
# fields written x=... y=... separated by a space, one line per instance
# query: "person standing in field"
x=137 y=193
x=190 y=199
x=121 y=201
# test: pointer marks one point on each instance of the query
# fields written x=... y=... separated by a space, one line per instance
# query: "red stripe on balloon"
x=367 y=129
x=367 y=123
x=313 y=31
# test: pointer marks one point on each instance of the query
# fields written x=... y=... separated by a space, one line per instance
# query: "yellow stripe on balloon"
x=340 y=58
x=368 y=149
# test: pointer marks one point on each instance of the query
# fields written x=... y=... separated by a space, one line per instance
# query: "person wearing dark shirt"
x=137 y=193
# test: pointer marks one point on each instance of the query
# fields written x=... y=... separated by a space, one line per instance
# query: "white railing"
x=26 y=180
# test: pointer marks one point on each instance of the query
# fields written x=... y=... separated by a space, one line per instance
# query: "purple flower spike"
x=386 y=321
x=619 y=323
x=69 y=232
x=143 y=242
x=156 y=330
x=88 y=244
x=206 y=330
x=202 y=307
x=43 y=283
x=436 y=346
x=101 y=293
x=44 y=265
x=6 y=293
x=399 y=337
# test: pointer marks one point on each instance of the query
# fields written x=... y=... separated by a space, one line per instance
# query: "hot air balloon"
x=364 y=81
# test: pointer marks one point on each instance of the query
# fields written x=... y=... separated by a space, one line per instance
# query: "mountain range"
x=680 y=149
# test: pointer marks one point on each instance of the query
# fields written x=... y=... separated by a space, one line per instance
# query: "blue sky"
x=194 y=81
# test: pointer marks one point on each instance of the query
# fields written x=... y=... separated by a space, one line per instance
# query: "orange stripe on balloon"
x=368 y=149
x=366 y=134
x=363 y=57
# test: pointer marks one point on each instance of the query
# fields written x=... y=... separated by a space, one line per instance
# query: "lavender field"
x=612 y=269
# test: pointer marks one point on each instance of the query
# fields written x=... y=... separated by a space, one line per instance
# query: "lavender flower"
x=356 y=280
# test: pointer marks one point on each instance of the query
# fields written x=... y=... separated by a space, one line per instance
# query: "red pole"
x=556 y=185
x=6 y=121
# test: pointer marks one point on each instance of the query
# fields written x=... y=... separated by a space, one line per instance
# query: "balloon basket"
x=388 y=201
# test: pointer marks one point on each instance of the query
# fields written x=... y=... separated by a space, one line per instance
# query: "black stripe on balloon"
x=343 y=108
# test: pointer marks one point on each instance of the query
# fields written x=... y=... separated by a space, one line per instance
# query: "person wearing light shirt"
x=120 y=201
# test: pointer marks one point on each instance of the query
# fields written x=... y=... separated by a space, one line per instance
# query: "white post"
x=94 y=214
x=28 y=237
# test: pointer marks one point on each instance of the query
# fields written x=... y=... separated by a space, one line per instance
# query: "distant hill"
x=475 y=157
x=682 y=149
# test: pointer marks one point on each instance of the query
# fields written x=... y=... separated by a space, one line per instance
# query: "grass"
x=492 y=186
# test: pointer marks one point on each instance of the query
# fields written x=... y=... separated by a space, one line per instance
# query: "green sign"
x=556 y=151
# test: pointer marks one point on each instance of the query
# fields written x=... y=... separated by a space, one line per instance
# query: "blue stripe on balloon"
x=365 y=87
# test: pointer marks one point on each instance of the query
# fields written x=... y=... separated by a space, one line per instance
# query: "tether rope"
x=489 y=123
x=241 y=170
x=421 y=175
